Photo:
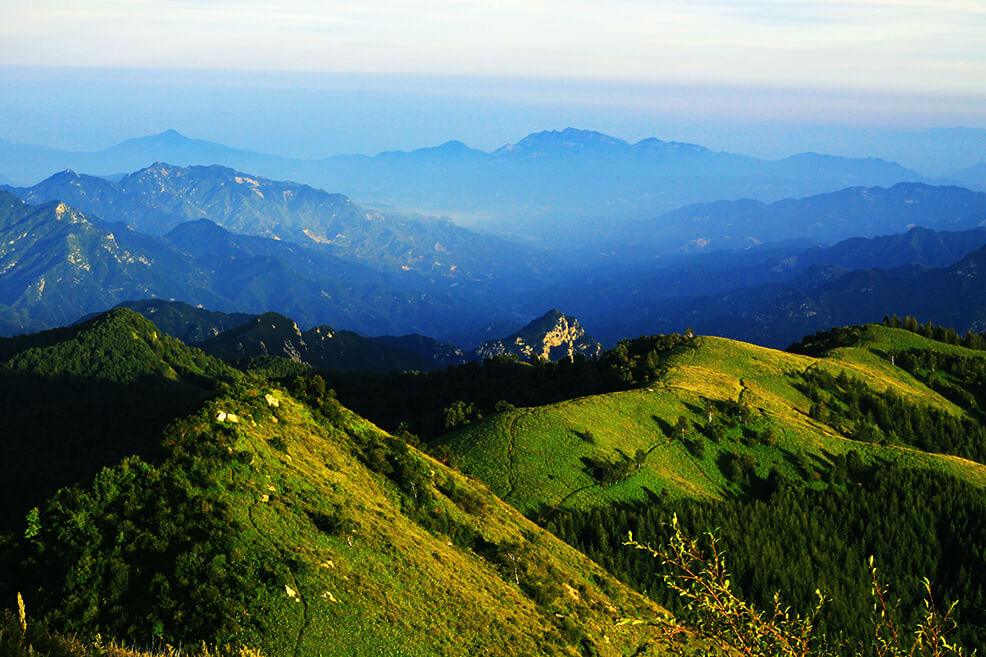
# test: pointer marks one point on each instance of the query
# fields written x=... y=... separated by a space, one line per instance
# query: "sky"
x=376 y=74
x=890 y=45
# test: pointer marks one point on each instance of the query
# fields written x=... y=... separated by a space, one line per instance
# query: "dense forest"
x=74 y=400
x=869 y=416
x=793 y=539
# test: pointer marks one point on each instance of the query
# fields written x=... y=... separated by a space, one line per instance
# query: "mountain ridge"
x=53 y=271
x=521 y=196
x=273 y=519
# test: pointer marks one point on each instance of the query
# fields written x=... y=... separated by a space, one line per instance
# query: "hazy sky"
x=311 y=78
x=935 y=46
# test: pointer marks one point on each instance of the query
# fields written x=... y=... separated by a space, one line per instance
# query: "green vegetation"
x=806 y=464
x=794 y=539
x=885 y=417
x=80 y=398
x=697 y=573
x=275 y=518
x=21 y=636
x=971 y=339
x=197 y=503
x=430 y=403
x=720 y=412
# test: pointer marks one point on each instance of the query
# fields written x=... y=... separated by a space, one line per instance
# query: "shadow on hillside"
x=664 y=426
x=57 y=431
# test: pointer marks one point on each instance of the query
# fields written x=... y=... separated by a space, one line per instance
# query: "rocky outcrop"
x=553 y=336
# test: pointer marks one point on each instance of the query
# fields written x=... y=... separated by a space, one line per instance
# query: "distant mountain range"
x=823 y=218
x=775 y=314
x=82 y=244
x=158 y=198
x=57 y=263
x=973 y=177
x=548 y=185
x=679 y=292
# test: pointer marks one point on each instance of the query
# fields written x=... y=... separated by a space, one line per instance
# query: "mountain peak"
x=199 y=237
x=653 y=144
x=169 y=136
x=203 y=226
x=566 y=141
x=66 y=175
x=552 y=336
x=454 y=145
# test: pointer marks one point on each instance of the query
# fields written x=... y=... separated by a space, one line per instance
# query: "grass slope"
x=305 y=531
x=534 y=457
x=386 y=585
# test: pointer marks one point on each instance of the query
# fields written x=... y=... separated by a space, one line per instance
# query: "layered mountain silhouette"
x=823 y=218
x=634 y=301
x=158 y=198
x=325 y=348
x=973 y=177
x=776 y=314
x=171 y=232
x=547 y=182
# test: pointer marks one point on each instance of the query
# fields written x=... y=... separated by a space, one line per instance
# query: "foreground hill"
x=279 y=520
x=874 y=444
x=80 y=398
x=541 y=457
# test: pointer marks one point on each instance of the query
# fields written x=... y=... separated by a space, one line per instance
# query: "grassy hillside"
x=281 y=521
x=543 y=456
x=803 y=464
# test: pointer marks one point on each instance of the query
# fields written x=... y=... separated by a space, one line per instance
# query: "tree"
x=715 y=614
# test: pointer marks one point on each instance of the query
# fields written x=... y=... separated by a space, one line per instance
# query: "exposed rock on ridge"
x=552 y=336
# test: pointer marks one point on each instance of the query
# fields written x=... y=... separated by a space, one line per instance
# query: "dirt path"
x=306 y=613
x=511 y=453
